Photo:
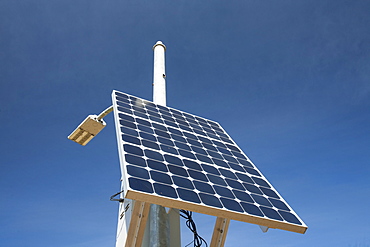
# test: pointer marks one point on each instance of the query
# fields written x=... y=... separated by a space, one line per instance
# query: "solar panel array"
x=180 y=160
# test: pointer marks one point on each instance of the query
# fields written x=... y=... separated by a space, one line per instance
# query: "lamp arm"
x=105 y=112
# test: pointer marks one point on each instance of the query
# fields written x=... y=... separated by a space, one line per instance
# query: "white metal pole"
x=159 y=74
x=164 y=229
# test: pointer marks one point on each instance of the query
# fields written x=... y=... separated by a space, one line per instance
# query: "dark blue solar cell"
x=159 y=127
x=231 y=204
x=154 y=114
x=153 y=155
x=169 y=149
x=243 y=196
x=206 y=140
x=168 y=118
x=252 y=171
x=178 y=138
x=220 y=163
x=165 y=141
x=181 y=122
x=156 y=119
x=261 y=200
x=182 y=182
x=126 y=117
x=279 y=204
x=230 y=159
x=150 y=144
x=160 y=177
x=204 y=158
x=227 y=173
x=170 y=123
x=183 y=127
x=261 y=182
x=188 y=195
x=133 y=150
x=236 y=167
x=122 y=95
x=271 y=213
x=162 y=134
x=191 y=136
x=131 y=139
x=178 y=170
x=123 y=109
x=210 y=169
x=128 y=124
x=191 y=164
x=135 y=160
x=194 y=142
x=199 y=132
x=163 y=109
x=127 y=101
x=140 y=114
x=143 y=122
x=165 y=190
x=174 y=131
x=215 y=155
x=238 y=155
x=176 y=112
x=210 y=200
x=195 y=125
x=151 y=106
x=233 y=147
x=182 y=146
x=213 y=136
x=138 y=109
x=148 y=136
x=123 y=104
x=173 y=160
x=213 y=124
x=251 y=209
x=197 y=175
x=186 y=154
x=219 y=144
x=224 y=151
x=131 y=132
x=234 y=184
x=216 y=180
x=269 y=193
x=146 y=129
x=158 y=166
x=223 y=191
x=290 y=217
x=137 y=172
x=245 y=163
x=209 y=147
x=253 y=189
x=226 y=139
x=199 y=150
x=140 y=185
x=244 y=178
x=203 y=187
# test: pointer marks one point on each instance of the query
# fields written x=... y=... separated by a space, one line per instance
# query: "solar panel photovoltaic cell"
x=179 y=160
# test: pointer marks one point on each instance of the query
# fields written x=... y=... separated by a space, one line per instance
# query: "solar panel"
x=180 y=160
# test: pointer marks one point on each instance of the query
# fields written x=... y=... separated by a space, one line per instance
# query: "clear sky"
x=289 y=81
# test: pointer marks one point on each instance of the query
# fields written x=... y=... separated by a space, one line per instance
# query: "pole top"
x=159 y=43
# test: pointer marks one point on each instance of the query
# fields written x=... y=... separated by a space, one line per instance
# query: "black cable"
x=198 y=240
x=118 y=200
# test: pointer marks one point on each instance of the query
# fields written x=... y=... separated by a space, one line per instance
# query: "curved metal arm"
x=105 y=112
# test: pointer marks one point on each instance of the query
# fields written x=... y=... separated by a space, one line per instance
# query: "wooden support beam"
x=220 y=232
x=136 y=229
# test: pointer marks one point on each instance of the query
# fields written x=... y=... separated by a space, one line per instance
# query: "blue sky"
x=288 y=80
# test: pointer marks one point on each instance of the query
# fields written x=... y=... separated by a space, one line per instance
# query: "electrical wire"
x=198 y=240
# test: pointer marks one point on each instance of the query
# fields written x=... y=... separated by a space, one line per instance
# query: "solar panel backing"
x=179 y=160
